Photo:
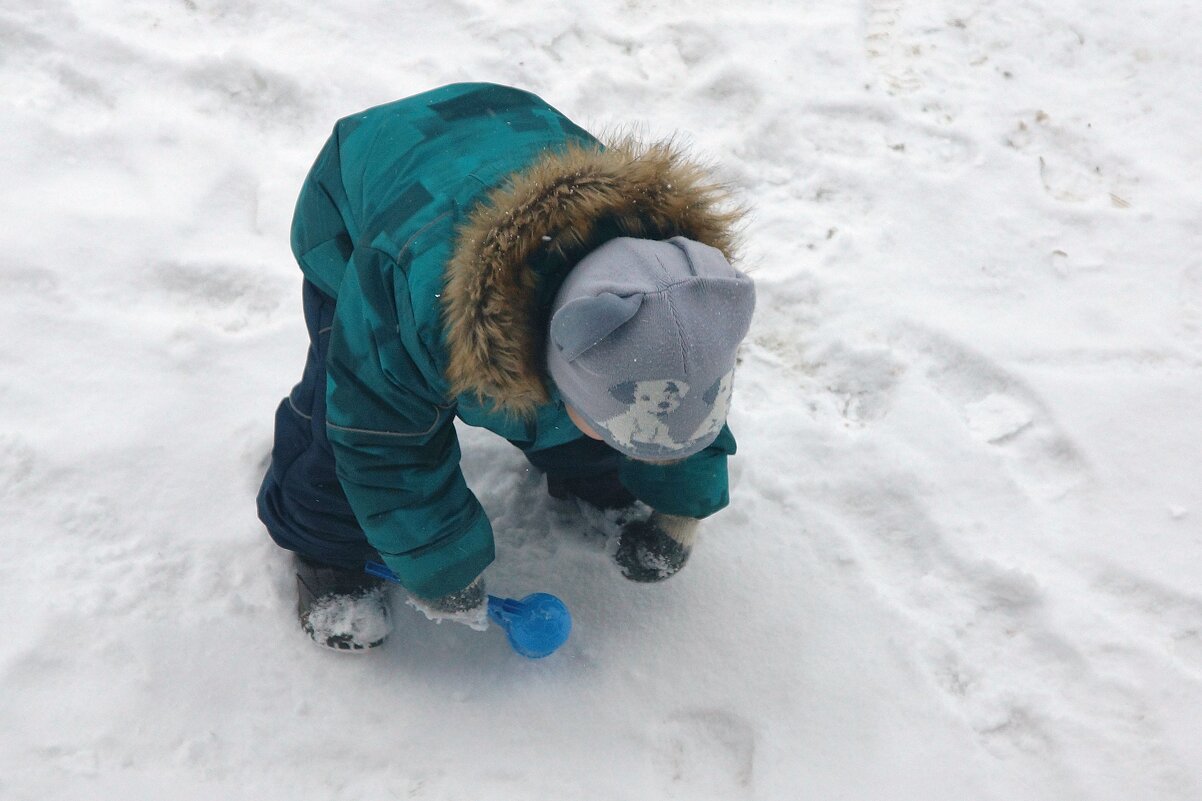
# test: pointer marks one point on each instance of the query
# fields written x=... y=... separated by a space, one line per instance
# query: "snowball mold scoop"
x=536 y=625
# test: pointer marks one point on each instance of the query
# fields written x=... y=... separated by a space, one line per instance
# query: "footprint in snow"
x=894 y=58
x=17 y=462
x=1072 y=168
x=232 y=83
x=705 y=753
x=34 y=283
x=863 y=380
x=871 y=131
x=226 y=297
x=1190 y=302
x=998 y=409
x=1170 y=620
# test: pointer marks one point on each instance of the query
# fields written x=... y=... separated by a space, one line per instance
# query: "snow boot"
x=655 y=548
x=346 y=610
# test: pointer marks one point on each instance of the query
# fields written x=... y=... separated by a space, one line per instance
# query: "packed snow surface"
x=964 y=553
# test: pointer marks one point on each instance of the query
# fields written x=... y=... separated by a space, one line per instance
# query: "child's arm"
x=395 y=445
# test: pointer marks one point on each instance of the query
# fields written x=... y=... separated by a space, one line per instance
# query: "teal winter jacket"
x=443 y=224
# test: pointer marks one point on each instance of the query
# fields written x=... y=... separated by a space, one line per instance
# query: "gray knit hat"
x=642 y=343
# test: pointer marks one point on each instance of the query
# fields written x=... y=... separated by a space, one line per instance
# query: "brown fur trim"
x=556 y=211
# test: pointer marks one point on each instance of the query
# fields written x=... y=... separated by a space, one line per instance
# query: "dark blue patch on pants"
x=301 y=501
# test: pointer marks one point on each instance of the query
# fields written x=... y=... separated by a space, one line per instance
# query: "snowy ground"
x=964 y=553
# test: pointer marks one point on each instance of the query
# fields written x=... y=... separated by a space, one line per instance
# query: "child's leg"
x=583 y=468
x=301 y=501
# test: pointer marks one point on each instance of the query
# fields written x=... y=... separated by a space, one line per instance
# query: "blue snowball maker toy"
x=536 y=625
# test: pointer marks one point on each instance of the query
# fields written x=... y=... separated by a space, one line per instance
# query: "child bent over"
x=470 y=252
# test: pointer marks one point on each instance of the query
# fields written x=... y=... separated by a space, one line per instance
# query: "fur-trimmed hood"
x=553 y=213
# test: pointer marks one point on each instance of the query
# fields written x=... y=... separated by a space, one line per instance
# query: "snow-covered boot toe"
x=655 y=548
x=342 y=609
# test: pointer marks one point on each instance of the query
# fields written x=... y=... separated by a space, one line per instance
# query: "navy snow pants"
x=301 y=501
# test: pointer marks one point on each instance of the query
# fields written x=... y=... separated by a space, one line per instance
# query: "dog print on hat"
x=718 y=400
x=648 y=403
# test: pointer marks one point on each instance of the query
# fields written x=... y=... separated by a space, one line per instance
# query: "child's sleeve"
x=394 y=442
x=696 y=487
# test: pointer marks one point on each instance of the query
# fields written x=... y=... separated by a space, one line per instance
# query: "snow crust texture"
x=964 y=554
